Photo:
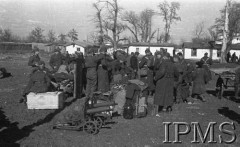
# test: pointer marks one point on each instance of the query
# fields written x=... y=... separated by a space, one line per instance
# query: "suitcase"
x=141 y=107
x=48 y=100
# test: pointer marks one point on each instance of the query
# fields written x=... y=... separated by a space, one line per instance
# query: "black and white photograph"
x=119 y=73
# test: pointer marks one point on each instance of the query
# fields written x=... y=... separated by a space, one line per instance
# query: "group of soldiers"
x=167 y=77
x=170 y=78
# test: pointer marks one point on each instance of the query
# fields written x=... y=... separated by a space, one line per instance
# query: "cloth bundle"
x=73 y=113
x=119 y=95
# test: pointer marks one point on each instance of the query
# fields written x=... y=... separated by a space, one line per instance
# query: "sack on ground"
x=72 y=113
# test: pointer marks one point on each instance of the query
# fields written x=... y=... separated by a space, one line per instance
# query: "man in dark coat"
x=199 y=81
x=56 y=60
x=182 y=86
x=165 y=77
x=134 y=65
x=146 y=63
x=228 y=57
x=103 y=70
x=34 y=59
x=206 y=63
x=91 y=62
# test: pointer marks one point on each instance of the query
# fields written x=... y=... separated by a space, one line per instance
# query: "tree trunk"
x=225 y=31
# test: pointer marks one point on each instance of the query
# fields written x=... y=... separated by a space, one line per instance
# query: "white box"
x=48 y=100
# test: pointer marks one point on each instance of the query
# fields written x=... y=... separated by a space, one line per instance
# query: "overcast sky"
x=21 y=16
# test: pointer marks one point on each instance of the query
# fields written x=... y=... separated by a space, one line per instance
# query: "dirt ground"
x=22 y=127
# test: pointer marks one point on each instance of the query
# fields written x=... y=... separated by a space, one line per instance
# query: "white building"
x=194 y=51
x=78 y=46
x=141 y=47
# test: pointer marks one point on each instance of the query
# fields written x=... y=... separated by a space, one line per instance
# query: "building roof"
x=210 y=45
x=83 y=44
x=152 y=44
x=55 y=44
x=196 y=45
x=14 y=43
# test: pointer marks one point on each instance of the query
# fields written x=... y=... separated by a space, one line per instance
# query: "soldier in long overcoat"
x=146 y=63
x=103 y=71
x=182 y=86
x=206 y=63
x=200 y=78
x=165 y=77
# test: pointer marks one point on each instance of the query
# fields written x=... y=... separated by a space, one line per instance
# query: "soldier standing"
x=103 y=72
x=145 y=63
x=91 y=67
x=134 y=65
x=56 y=59
x=182 y=86
x=206 y=63
x=165 y=84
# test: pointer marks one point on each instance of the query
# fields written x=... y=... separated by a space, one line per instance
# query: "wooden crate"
x=48 y=100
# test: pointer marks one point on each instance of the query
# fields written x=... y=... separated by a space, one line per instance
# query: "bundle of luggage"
x=131 y=99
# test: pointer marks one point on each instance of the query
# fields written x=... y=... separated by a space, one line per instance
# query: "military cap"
x=147 y=50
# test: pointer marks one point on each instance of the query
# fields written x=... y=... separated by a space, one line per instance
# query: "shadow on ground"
x=230 y=114
x=10 y=133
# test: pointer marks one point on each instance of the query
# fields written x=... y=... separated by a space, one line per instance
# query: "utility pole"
x=158 y=36
x=225 y=34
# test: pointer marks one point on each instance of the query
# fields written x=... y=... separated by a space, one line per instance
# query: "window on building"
x=194 y=52
x=78 y=49
x=137 y=49
x=218 y=53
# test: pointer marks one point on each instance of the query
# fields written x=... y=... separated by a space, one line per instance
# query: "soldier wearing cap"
x=146 y=63
x=39 y=81
x=207 y=62
x=103 y=70
x=91 y=62
x=56 y=59
x=182 y=85
x=34 y=59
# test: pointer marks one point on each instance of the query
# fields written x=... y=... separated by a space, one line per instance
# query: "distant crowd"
x=169 y=78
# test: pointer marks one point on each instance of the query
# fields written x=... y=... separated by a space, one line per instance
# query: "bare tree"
x=98 y=20
x=140 y=25
x=198 y=31
x=169 y=14
x=229 y=23
x=133 y=19
x=94 y=37
x=213 y=33
x=145 y=25
x=111 y=22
